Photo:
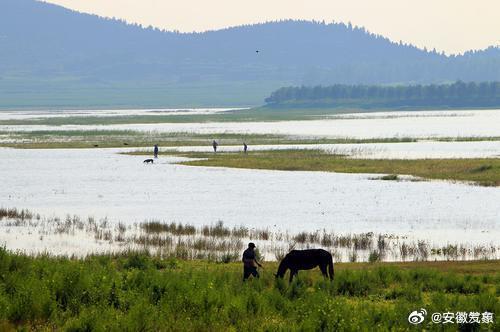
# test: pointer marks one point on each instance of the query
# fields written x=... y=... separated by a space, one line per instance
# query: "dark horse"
x=308 y=259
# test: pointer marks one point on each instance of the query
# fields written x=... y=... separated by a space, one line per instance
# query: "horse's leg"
x=330 y=269
x=292 y=274
x=323 y=270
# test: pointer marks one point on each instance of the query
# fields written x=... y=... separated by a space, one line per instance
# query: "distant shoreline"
x=264 y=107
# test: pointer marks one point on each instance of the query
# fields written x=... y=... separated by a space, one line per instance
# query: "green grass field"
x=74 y=92
x=138 y=292
x=485 y=172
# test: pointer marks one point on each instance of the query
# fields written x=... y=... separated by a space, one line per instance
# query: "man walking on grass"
x=250 y=262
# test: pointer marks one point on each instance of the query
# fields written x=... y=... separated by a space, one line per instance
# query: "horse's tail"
x=330 y=268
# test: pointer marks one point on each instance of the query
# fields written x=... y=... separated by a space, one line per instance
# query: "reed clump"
x=222 y=243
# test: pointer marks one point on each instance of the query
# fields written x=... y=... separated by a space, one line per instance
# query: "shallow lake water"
x=102 y=183
x=478 y=123
x=42 y=114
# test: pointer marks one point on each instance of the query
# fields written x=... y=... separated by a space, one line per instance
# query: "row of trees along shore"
x=458 y=94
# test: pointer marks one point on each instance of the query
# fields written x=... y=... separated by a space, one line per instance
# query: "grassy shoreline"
x=136 y=291
x=128 y=138
x=84 y=139
x=256 y=114
x=480 y=171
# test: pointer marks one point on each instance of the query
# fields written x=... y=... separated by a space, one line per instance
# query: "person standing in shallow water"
x=214 y=145
x=156 y=151
x=250 y=262
x=245 y=147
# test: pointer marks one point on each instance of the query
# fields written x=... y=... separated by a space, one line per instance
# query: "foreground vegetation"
x=139 y=292
x=485 y=172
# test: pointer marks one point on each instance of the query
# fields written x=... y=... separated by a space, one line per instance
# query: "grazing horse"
x=307 y=259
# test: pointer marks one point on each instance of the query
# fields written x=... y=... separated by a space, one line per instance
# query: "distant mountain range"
x=52 y=56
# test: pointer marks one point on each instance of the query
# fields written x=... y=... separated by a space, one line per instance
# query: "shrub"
x=374 y=257
x=137 y=260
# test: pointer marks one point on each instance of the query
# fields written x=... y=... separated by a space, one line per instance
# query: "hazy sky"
x=449 y=25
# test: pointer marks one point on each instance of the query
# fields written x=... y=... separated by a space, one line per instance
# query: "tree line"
x=484 y=94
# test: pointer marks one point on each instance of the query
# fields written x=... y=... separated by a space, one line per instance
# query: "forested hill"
x=458 y=94
x=53 y=55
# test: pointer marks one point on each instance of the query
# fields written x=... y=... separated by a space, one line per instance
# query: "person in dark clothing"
x=214 y=145
x=156 y=151
x=250 y=262
x=245 y=147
